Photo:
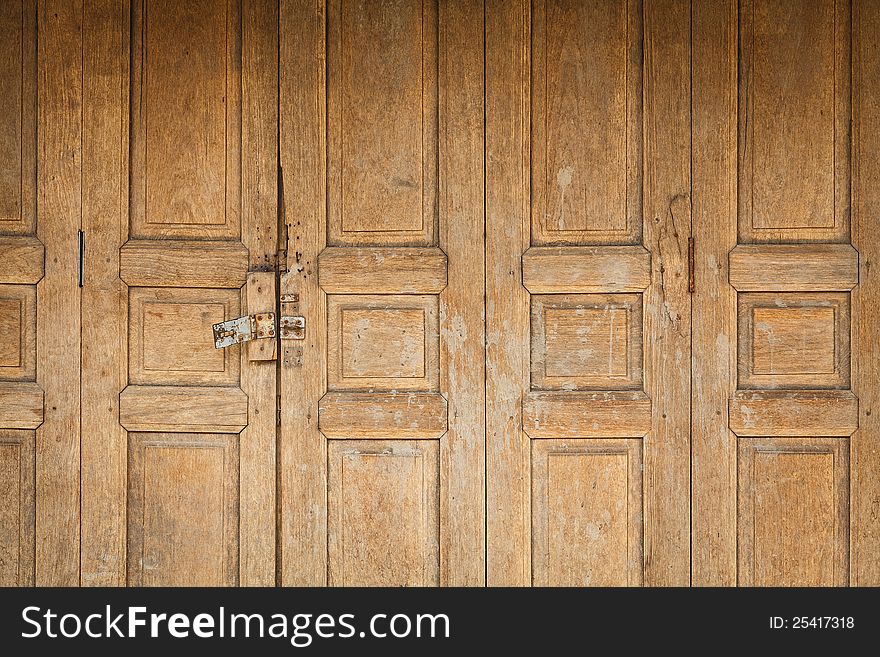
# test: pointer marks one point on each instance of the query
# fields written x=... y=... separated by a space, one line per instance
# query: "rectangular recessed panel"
x=794 y=105
x=17 y=117
x=18 y=322
x=382 y=96
x=183 y=510
x=16 y=508
x=589 y=341
x=383 y=513
x=794 y=340
x=186 y=108
x=587 y=512
x=172 y=339
x=586 y=122
x=794 y=511
x=383 y=342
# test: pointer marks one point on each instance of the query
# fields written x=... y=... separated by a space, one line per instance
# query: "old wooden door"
x=154 y=462
x=382 y=441
x=588 y=312
x=786 y=355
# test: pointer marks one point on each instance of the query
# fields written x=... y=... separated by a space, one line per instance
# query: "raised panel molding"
x=186 y=119
x=794 y=183
x=18 y=328
x=794 y=267
x=166 y=263
x=382 y=415
x=793 y=413
x=382 y=270
x=183 y=511
x=183 y=409
x=617 y=414
x=586 y=269
x=793 y=511
x=17 y=455
x=383 y=513
x=586 y=120
x=382 y=96
x=587 y=512
x=21 y=260
x=21 y=405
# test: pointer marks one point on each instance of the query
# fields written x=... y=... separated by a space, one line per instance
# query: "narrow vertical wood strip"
x=303 y=450
x=257 y=443
x=865 y=443
x=104 y=295
x=462 y=455
x=667 y=302
x=59 y=207
x=714 y=451
x=508 y=456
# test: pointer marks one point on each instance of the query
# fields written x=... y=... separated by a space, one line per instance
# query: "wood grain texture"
x=588 y=512
x=183 y=409
x=382 y=415
x=259 y=371
x=794 y=184
x=793 y=512
x=21 y=260
x=303 y=450
x=198 y=263
x=59 y=151
x=16 y=508
x=794 y=413
x=794 y=267
x=382 y=270
x=21 y=405
x=462 y=343
x=384 y=499
x=18 y=324
x=186 y=119
x=586 y=110
x=18 y=121
x=618 y=414
x=171 y=540
x=104 y=441
x=865 y=443
x=586 y=269
x=382 y=122
x=667 y=302
x=508 y=452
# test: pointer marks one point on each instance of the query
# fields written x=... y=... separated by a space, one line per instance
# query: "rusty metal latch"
x=243 y=329
x=293 y=327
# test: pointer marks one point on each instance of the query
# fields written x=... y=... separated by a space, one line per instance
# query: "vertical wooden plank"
x=865 y=446
x=508 y=488
x=303 y=450
x=104 y=295
x=667 y=302
x=462 y=358
x=59 y=150
x=257 y=443
x=714 y=450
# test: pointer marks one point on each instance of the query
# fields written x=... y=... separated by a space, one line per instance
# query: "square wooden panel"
x=382 y=111
x=586 y=122
x=587 y=512
x=793 y=511
x=383 y=342
x=18 y=323
x=183 y=509
x=171 y=339
x=586 y=342
x=794 y=340
x=383 y=513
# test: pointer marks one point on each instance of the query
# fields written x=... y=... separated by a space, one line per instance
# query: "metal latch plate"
x=293 y=327
x=243 y=329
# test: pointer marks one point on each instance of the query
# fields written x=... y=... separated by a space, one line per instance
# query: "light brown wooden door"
x=382 y=439
x=179 y=214
x=785 y=442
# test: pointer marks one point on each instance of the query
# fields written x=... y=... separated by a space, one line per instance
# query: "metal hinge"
x=692 y=284
x=293 y=327
x=243 y=329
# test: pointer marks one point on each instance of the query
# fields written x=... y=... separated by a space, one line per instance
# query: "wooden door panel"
x=781 y=448
x=587 y=304
x=184 y=231
x=382 y=403
x=17 y=507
